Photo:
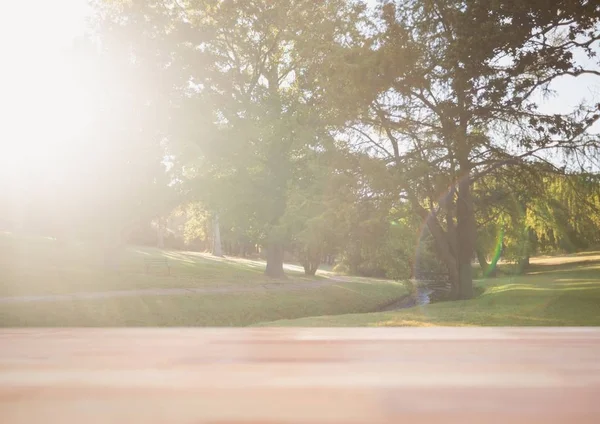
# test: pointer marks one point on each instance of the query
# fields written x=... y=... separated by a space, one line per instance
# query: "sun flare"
x=45 y=106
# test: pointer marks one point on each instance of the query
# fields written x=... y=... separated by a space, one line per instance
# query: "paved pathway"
x=275 y=287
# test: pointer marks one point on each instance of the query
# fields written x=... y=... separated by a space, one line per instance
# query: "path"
x=177 y=291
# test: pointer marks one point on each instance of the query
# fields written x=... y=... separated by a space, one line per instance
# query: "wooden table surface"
x=468 y=375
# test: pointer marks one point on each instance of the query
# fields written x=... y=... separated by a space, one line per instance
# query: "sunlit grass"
x=231 y=309
x=554 y=293
x=37 y=266
x=567 y=294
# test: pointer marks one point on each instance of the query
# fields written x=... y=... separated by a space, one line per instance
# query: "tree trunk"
x=466 y=234
x=310 y=268
x=311 y=264
x=217 y=249
x=160 y=234
x=488 y=270
x=310 y=259
x=483 y=264
x=523 y=262
x=444 y=251
x=274 y=267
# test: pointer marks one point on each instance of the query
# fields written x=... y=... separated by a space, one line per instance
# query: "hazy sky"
x=35 y=31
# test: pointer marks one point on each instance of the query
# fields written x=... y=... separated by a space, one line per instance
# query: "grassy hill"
x=559 y=291
x=43 y=267
x=36 y=265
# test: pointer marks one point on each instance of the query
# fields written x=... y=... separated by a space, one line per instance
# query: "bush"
x=390 y=256
x=341 y=268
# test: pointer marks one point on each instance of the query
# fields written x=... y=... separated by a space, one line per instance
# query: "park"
x=333 y=163
x=300 y=211
x=48 y=285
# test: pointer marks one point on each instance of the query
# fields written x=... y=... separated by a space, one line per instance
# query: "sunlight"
x=45 y=103
x=59 y=111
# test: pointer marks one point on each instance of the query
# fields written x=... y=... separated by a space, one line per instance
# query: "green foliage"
x=453 y=88
x=381 y=243
x=567 y=218
x=251 y=112
x=197 y=222
x=538 y=213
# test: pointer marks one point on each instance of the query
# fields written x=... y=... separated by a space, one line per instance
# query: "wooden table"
x=469 y=375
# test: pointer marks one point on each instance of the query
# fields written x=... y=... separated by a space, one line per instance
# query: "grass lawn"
x=562 y=291
x=38 y=266
x=557 y=291
x=204 y=310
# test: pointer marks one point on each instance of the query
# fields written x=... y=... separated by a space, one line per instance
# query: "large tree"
x=246 y=107
x=455 y=91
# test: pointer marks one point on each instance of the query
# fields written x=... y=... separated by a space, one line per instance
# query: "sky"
x=41 y=105
x=34 y=79
x=46 y=24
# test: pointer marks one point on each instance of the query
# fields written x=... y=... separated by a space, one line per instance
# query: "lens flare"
x=497 y=254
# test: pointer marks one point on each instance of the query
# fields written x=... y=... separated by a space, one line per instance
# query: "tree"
x=532 y=210
x=566 y=217
x=308 y=215
x=217 y=251
x=454 y=86
x=122 y=153
x=342 y=205
x=319 y=202
x=502 y=200
x=250 y=109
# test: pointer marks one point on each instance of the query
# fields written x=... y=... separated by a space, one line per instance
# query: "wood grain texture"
x=467 y=375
